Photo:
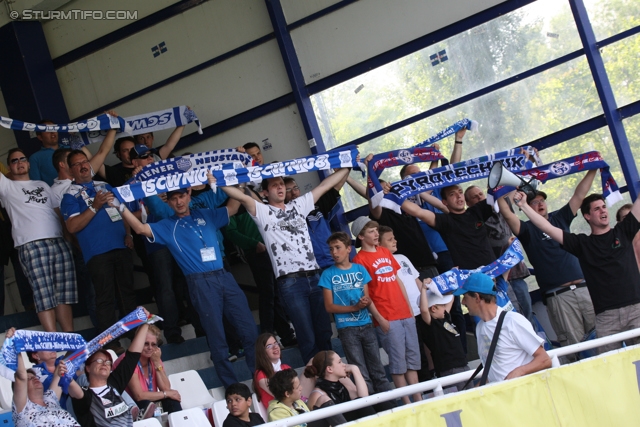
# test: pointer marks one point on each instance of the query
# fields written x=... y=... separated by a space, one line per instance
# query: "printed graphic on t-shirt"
x=297 y=249
x=35 y=195
x=382 y=266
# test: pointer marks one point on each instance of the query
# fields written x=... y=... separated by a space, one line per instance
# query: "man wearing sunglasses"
x=45 y=256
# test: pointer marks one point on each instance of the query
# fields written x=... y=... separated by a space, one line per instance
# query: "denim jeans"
x=521 y=290
x=164 y=269
x=112 y=277
x=216 y=294
x=304 y=303
x=360 y=345
x=271 y=310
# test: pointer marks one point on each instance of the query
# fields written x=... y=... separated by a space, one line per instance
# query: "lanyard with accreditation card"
x=207 y=254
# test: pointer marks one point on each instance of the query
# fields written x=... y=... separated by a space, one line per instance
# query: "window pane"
x=474 y=59
x=610 y=17
x=512 y=116
x=622 y=62
x=632 y=129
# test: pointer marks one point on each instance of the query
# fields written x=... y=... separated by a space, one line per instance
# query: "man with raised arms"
x=608 y=262
x=285 y=233
x=558 y=272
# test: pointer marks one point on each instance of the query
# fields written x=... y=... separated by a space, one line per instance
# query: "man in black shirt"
x=608 y=262
x=101 y=404
x=463 y=230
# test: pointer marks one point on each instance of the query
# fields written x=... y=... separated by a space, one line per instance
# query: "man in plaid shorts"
x=37 y=233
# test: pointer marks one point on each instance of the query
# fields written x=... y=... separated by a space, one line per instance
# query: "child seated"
x=440 y=334
x=238 y=397
x=287 y=391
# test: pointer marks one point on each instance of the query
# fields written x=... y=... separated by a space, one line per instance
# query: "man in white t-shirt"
x=37 y=233
x=519 y=350
x=285 y=233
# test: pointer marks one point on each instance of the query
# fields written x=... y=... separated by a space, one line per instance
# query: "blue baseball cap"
x=477 y=282
x=140 y=150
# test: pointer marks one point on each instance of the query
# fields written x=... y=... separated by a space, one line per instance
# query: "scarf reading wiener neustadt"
x=231 y=172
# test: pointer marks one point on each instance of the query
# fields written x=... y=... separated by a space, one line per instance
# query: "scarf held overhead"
x=226 y=175
x=515 y=160
x=25 y=340
x=85 y=132
x=570 y=165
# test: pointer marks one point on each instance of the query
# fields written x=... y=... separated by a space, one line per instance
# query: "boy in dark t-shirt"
x=238 y=397
x=440 y=334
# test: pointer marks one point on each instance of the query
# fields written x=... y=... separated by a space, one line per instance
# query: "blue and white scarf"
x=25 y=340
x=516 y=160
x=421 y=152
x=78 y=134
x=455 y=278
x=94 y=124
x=570 y=165
x=225 y=176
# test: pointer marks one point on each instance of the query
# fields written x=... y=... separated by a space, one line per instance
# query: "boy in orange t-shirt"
x=395 y=324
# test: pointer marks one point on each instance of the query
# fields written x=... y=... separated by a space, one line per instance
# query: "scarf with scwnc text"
x=515 y=160
x=570 y=165
x=453 y=279
x=345 y=158
x=422 y=152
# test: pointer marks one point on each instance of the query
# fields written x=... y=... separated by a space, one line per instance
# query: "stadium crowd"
x=70 y=240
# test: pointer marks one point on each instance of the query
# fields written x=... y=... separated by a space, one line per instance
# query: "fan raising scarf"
x=227 y=175
x=454 y=279
x=78 y=134
x=422 y=152
x=570 y=165
x=25 y=340
x=515 y=160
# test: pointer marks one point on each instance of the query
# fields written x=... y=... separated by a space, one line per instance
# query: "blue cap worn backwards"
x=477 y=282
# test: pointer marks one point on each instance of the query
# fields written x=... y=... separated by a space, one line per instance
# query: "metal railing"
x=437 y=384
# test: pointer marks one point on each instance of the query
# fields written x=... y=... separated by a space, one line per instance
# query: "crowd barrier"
x=597 y=391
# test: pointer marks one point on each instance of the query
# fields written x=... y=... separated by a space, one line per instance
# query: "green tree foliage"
x=509 y=117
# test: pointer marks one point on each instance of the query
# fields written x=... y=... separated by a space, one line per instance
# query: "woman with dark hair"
x=32 y=405
x=334 y=386
x=287 y=392
x=267 y=364
x=149 y=383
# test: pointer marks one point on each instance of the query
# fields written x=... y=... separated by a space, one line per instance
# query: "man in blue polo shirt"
x=191 y=236
x=104 y=239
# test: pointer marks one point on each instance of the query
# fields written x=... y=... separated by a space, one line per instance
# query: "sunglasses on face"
x=18 y=159
x=144 y=156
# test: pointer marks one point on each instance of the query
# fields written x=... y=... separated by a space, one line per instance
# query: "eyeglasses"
x=537 y=202
x=103 y=362
x=272 y=346
x=76 y=164
x=145 y=156
x=289 y=190
x=150 y=344
x=18 y=159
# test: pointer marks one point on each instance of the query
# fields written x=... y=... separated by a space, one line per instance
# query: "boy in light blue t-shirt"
x=346 y=296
